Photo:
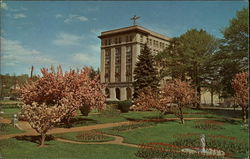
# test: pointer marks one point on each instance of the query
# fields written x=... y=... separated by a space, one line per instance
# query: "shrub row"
x=133 y=126
x=123 y=106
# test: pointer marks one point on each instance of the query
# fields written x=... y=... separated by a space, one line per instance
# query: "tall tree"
x=145 y=73
x=234 y=50
x=191 y=56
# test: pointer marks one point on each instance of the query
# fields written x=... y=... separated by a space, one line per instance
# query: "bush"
x=124 y=106
x=84 y=110
x=110 y=111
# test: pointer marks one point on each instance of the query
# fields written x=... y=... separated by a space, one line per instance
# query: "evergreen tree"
x=145 y=74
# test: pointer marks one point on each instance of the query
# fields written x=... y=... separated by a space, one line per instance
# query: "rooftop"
x=133 y=28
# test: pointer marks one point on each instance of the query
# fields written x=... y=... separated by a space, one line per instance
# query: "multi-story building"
x=119 y=51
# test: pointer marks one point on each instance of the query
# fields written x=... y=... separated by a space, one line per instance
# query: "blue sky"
x=65 y=32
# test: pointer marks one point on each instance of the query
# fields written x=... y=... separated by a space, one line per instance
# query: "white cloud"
x=4 y=6
x=18 y=9
x=19 y=15
x=66 y=39
x=91 y=9
x=13 y=53
x=74 y=17
x=59 y=16
x=85 y=59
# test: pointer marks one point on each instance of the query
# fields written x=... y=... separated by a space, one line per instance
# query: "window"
x=120 y=40
x=141 y=39
x=116 y=41
x=107 y=93
x=129 y=63
x=117 y=64
x=107 y=65
x=130 y=38
x=126 y=38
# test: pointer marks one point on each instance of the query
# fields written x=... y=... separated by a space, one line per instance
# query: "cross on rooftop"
x=134 y=18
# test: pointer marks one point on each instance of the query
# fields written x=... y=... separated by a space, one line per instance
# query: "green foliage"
x=8 y=84
x=84 y=110
x=145 y=73
x=233 y=54
x=190 y=55
x=124 y=106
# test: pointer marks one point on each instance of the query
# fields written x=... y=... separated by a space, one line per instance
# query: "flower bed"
x=133 y=126
x=86 y=136
x=224 y=143
x=168 y=151
x=209 y=125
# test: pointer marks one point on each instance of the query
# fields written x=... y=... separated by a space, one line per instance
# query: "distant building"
x=119 y=51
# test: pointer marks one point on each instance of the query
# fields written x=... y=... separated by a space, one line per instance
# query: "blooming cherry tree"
x=42 y=117
x=240 y=86
x=173 y=97
x=56 y=91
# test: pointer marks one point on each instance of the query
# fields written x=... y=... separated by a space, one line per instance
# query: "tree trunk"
x=212 y=97
x=43 y=136
x=197 y=97
x=181 y=116
x=244 y=115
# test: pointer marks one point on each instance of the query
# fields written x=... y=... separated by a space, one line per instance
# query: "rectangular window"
x=129 y=63
x=118 y=64
x=130 y=38
x=120 y=40
x=141 y=39
x=107 y=64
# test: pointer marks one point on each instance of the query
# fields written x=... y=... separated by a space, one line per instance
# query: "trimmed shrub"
x=110 y=111
x=84 y=110
x=124 y=106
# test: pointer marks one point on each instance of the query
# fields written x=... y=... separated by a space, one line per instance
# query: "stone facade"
x=119 y=51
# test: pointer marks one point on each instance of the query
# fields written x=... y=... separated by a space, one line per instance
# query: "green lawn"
x=8 y=129
x=9 y=112
x=13 y=148
x=159 y=132
x=164 y=132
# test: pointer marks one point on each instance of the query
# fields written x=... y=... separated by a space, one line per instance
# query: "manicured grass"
x=8 y=129
x=92 y=136
x=9 y=112
x=13 y=148
x=164 y=132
